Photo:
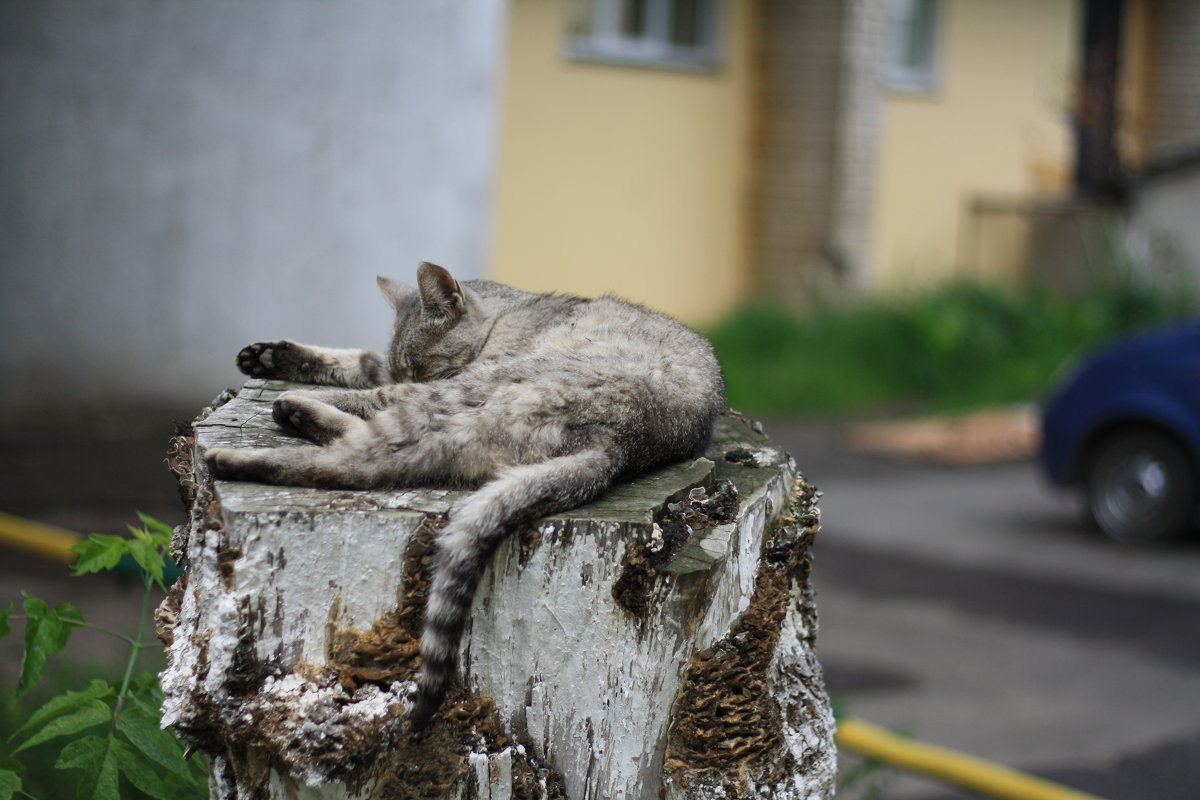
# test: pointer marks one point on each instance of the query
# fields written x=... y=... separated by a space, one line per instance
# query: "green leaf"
x=139 y=770
x=163 y=532
x=89 y=714
x=99 y=552
x=139 y=534
x=5 y=629
x=63 y=703
x=10 y=784
x=146 y=683
x=144 y=693
x=159 y=746
x=94 y=755
x=147 y=556
x=46 y=632
x=69 y=613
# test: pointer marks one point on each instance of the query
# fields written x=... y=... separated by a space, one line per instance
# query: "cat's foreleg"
x=291 y=361
x=366 y=403
x=311 y=417
x=333 y=466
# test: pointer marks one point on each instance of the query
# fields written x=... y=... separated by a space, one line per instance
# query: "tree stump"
x=655 y=643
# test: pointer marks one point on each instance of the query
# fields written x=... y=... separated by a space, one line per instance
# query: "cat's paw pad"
x=281 y=359
x=307 y=416
x=290 y=411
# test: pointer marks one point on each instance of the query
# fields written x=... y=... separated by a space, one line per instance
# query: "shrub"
x=107 y=732
x=957 y=346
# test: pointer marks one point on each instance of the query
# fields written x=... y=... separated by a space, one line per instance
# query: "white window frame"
x=899 y=74
x=606 y=44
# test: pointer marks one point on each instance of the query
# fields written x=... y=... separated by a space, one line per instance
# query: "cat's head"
x=440 y=326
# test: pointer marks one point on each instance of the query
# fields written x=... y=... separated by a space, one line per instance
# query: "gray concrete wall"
x=179 y=178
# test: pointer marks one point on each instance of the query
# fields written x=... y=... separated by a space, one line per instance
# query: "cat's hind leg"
x=361 y=458
x=400 y=448
x=324 y=467
x=309 y=416
x=276 y=465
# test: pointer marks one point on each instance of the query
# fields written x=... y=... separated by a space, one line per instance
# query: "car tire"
x=1140 y=486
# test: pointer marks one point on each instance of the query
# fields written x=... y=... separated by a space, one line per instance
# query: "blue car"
x=1125 y=427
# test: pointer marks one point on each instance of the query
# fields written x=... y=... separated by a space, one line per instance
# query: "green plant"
x=953 y=347
x=108 y=732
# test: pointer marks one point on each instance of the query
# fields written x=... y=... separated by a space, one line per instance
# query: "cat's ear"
x=440 y=293
x=394 y=292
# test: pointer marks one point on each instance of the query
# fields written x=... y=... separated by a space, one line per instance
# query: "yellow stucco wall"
x=624 y=180
x=997 y=126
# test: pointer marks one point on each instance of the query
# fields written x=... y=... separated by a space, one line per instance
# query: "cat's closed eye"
x=430 y=369
x=403 y=373
x=434 y=369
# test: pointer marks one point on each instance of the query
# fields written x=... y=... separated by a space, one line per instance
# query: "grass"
x=956 y=347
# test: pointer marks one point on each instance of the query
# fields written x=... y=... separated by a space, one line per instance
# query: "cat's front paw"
x=308 y=416
x=281 y=359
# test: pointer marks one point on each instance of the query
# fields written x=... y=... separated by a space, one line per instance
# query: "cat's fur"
x=539 y=401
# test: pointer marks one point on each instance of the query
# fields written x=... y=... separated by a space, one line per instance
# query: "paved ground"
x=964 y=606
x=968 y=607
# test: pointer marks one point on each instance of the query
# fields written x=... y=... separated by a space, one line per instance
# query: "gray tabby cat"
x=540 y=401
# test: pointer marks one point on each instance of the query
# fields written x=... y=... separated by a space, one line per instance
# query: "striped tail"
x=518 y=495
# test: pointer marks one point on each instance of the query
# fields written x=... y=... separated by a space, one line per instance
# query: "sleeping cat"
x=541 y=402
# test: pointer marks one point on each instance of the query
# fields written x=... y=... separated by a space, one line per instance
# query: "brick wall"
x=817 y=142
x=1174 y=121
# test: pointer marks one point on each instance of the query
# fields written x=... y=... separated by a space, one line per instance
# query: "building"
x=179 y=178
x=829 y=148
x=819 y=147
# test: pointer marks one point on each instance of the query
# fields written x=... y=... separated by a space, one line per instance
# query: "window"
x=673 y=34
x=912 y=45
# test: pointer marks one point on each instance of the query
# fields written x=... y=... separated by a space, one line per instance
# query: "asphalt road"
x=966 y=607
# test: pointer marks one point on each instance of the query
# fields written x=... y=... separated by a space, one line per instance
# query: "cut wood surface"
x=655 y=643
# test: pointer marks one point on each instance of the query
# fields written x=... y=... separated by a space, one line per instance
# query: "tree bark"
x=655 y=643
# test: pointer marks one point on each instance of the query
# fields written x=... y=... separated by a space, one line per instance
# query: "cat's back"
x=639 y=383
x=548 y=326
x=615 y=342
x=658 y=379
x=617 y=328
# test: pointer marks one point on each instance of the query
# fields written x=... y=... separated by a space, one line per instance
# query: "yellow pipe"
x=948 y=765
x=38 y=538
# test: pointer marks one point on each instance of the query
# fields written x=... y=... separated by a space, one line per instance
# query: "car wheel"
x=1140 y=486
